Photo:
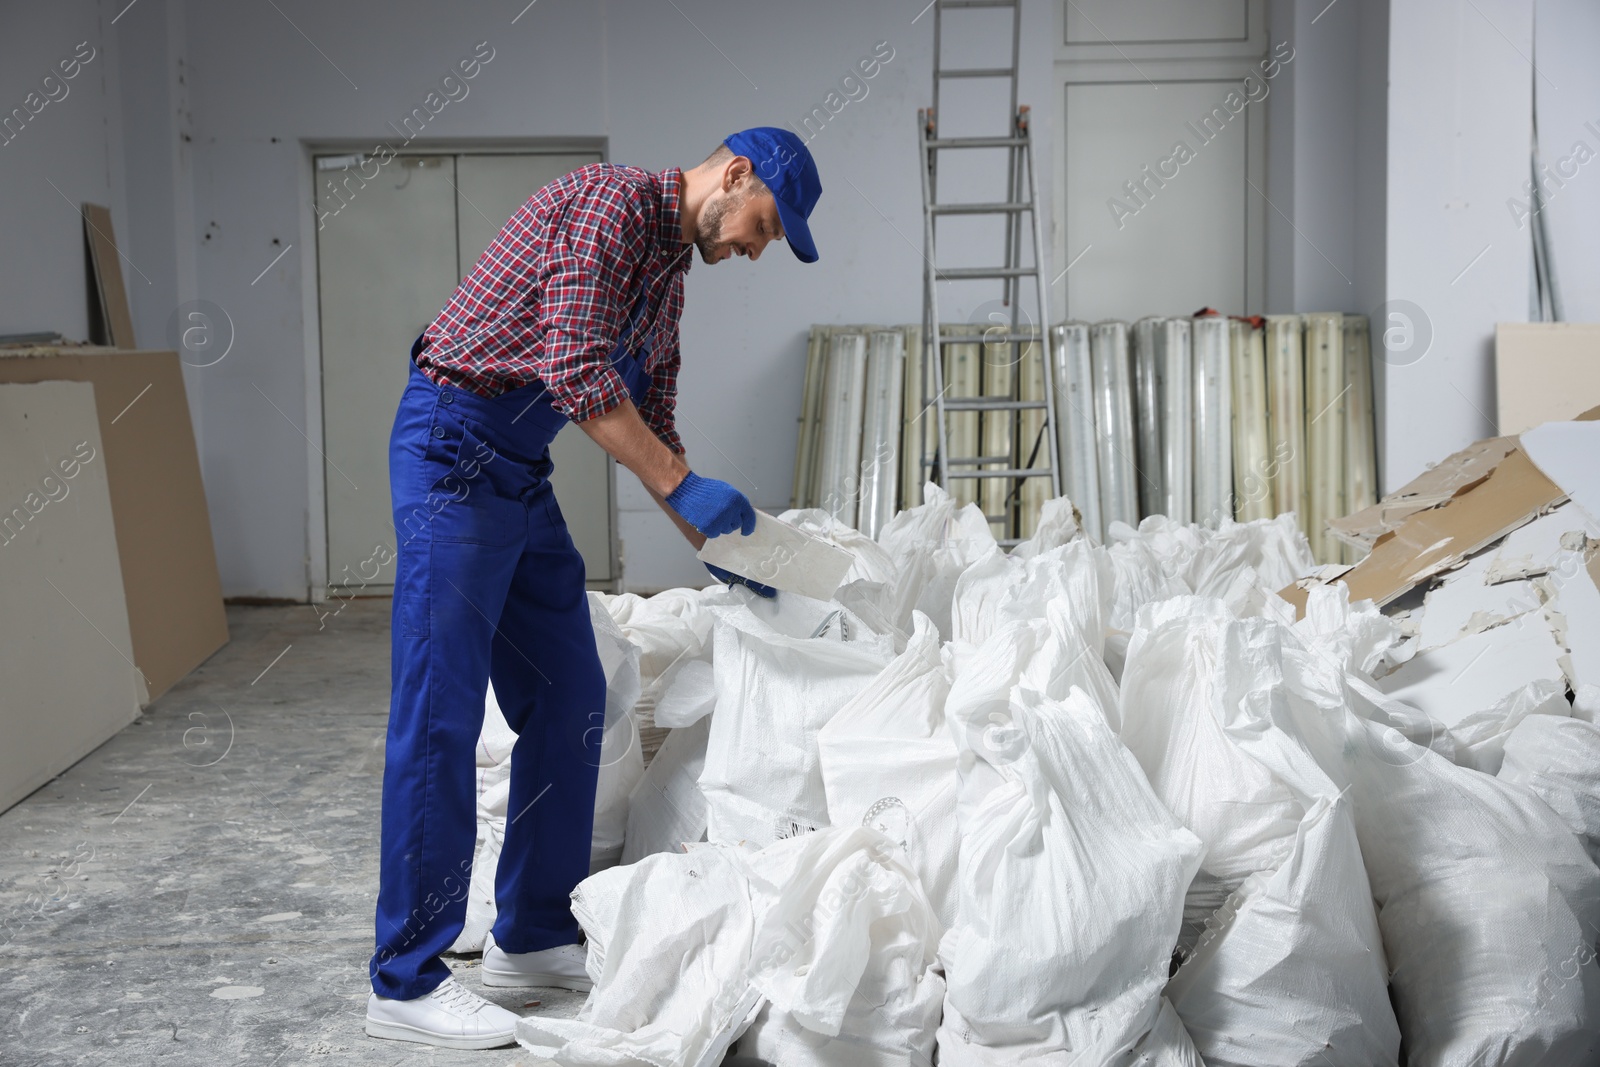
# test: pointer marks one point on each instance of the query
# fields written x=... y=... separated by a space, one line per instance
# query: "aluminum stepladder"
x=1020 y=200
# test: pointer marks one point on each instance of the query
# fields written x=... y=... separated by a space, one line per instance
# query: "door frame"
x=316 y=530
x=1158 y=62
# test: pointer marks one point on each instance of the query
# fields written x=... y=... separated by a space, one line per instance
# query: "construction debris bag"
x=666 y=810
x=1487 y=902
x=1190 y=665
x=1283 y=960
x=493 y=785
x=669 y=944
x=845 y=954
x=621 y=755
x=1558 y=759
x=762 y=779
x=888 y=762
x=1480 y=738
x=1000 y=588
x=872 y=562
x=1072 y=878
x=933 y=543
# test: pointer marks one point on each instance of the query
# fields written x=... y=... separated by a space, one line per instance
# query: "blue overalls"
x=489 y=586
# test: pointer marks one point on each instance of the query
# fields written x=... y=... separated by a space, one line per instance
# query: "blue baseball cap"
x=782 y=162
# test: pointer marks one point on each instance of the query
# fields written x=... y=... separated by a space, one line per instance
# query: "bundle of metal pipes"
x=1199 y=418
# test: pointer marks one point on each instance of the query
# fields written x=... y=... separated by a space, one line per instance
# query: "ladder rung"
x=979 y=404
x=1014 y=472
x=1009 y=542
x=977 y=142
x=977 y=72
x=983 y=272
x=950 y=5
x=987 y=337
x=977 y=461
x=994 y=207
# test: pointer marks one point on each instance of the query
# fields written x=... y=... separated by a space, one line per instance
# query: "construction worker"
x=570 y=315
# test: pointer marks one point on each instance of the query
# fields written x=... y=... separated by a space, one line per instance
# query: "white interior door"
x=490 y=188
x=386 y=264
x=1171 y=244
x=1160 y=142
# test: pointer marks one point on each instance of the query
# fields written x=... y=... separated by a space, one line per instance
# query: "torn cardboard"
x=1430 y=489
x=1439 y=539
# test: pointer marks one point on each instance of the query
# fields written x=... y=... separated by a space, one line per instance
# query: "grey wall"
x=199 y=115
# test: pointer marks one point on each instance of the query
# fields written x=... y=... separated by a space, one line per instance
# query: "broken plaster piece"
x=1472 y=674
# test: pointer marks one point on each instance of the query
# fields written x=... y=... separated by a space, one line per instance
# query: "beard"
x=709 y=235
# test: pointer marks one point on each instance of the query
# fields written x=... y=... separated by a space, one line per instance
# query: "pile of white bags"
x=1108 y=805
x=827 y=936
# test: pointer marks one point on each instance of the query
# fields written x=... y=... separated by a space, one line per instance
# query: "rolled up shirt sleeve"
x=661 y=401
x=585 y=308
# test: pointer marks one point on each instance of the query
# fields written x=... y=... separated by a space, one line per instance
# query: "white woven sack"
x=762 y=779
x=1072 y=878
x=889 y=763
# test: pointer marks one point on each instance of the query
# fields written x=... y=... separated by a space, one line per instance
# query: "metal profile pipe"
x=843 y=403
x=1113 y=418
x=880 y=431
x=1073 y=380
x=1213 y=422
x=1286 y=414
x=1148 y=457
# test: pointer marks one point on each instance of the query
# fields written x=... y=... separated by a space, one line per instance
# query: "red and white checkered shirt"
x=553 y=296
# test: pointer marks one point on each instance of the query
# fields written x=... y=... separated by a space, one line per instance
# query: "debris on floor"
x=1172 y=799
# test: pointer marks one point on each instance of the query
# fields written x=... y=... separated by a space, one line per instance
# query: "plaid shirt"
x=593 y=261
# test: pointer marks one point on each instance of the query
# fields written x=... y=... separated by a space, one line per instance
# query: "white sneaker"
x=452 y=1016
x=561 y=967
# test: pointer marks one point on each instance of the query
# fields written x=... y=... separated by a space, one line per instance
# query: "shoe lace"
x=457 y=998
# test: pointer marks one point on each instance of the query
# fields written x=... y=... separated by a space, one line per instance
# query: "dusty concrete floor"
x=200 y=889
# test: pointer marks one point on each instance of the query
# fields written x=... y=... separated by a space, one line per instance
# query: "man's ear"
x=737 y=170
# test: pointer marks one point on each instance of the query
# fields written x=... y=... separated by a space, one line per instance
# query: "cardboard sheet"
x=65 y=653
x=168 y=563
x=782 y=556
x=1545 y=372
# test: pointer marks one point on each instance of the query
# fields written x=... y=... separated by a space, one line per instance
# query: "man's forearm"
x=623 y=434
x=695 y=537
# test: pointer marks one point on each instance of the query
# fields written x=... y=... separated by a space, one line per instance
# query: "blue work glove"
x=712 y=507
x=727 y=577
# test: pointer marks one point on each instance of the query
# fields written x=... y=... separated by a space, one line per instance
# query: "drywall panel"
x=1545 y=372
x=168 y=563
x=65 y=651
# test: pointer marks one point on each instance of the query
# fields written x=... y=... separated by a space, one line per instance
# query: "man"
x=571 y=314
